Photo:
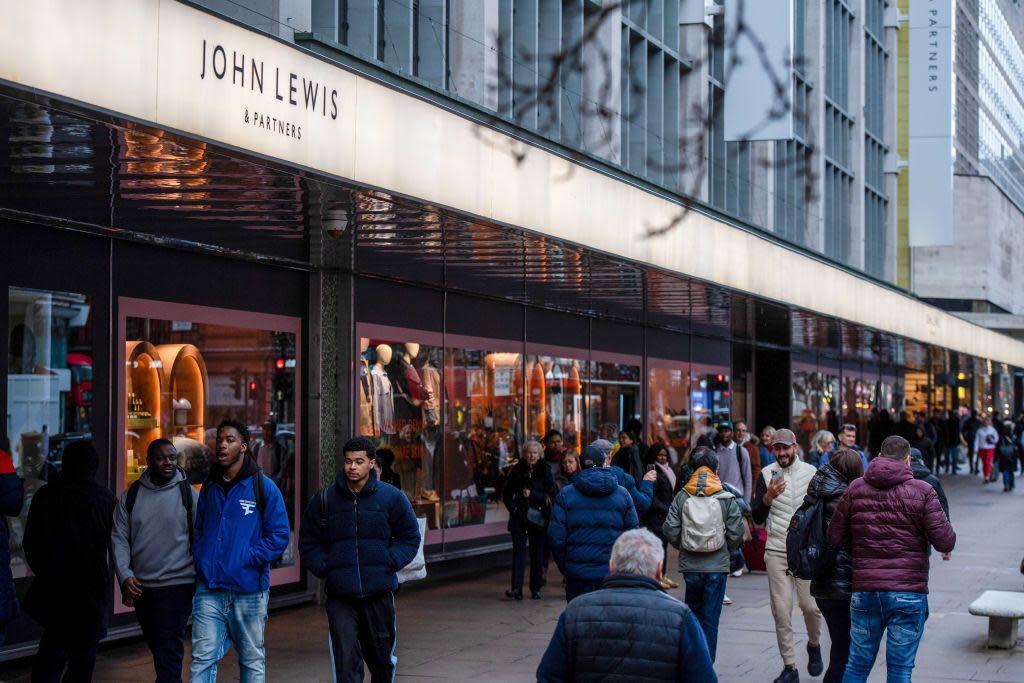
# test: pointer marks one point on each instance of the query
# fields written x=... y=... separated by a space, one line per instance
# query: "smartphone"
x=776 y=476
x=650 y=468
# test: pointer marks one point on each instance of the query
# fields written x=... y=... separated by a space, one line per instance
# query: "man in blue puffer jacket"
x=642 y=493
x=241 y=527
x=588 y=516
x=356 y=534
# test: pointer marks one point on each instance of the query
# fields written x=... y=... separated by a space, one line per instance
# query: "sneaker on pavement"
x=788 y=675
x=738 y=573
x=726 y=600
x=814 y=664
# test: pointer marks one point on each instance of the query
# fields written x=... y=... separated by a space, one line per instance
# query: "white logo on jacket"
x=247 y=506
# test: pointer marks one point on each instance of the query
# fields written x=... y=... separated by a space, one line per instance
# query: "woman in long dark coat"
x=528 y=494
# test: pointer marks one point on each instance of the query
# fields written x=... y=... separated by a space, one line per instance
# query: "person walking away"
x=664 y=485
x=985 y=440
x=12 y=498
x=779 y=493
x=752 y=445
x=587 y=517
x=733 y=461
x=1007 y=450
x=241 y=527
x=890 y=519
x=152 y=546
x=627 y=458
x=706 y=525
x=821 y=448
x=953 y=440
x=925 y=446
x=355 y=535
x=628 y=630
x=832 y=589
x=270 y=456
x=528 y=494
x=921 y=472
x=386 y=473
x=848 y=439
x=969 y=427
x=66 y=543
x=641 y=493
x=570 y=466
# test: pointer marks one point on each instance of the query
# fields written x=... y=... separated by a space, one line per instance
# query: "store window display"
x=399 y=394
x=187 y=368
x=668 y=406
x=555 y=397
x=49 y=389
x=613 y=394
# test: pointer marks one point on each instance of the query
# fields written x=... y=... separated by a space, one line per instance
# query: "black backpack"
x=184 y=488
x=807 y=552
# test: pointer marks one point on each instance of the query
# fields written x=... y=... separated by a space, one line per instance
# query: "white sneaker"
x=738 y=573
x=726 y=600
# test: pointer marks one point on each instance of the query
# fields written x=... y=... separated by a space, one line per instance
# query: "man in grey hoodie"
x=151 y=540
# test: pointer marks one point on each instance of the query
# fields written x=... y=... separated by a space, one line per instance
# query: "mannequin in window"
x=430 y=383
x=382 y=393
x=367 y=426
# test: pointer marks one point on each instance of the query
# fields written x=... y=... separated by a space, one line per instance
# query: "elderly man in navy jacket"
x=356 y=534
x=630 y=629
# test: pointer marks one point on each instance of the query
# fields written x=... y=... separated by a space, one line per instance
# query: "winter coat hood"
x=147 y=482
x=827 y=483
x=596 y=482
x=704 y=482
x=249 y=468
x=886 y=473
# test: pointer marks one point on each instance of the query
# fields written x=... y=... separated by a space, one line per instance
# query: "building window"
x=49 y=389
x=838 y=130
x=875 y=198
x=187 y=368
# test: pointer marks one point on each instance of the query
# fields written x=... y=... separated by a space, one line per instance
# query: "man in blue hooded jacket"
x=356 y=534
x=241 y=527
x=642 y=493
x=587 y=517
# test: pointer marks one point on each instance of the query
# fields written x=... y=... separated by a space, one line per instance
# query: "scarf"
x=668 y=473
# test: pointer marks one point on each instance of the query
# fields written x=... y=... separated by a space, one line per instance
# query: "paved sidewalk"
x=467 y=631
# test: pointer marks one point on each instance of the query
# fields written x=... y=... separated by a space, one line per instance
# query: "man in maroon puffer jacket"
x=889 y=518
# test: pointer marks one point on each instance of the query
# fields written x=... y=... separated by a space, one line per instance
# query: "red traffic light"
x=720 y=378
x=252 y=386
x=279 y=363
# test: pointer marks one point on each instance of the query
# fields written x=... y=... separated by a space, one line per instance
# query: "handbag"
x=417 y=569
x=535 y=517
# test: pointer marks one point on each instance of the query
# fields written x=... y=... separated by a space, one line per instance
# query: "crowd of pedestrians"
x=847 y=534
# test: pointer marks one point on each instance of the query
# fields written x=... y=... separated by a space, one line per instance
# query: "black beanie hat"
x=360 y=443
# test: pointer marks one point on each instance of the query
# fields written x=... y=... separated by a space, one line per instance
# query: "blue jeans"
x=1008 y=477
x=953 y=459
x=221 y=618
x=901 y=616
x=704 y=594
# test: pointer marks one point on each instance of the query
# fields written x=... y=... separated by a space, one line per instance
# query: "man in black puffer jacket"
x=630 y=630
x=357 y=534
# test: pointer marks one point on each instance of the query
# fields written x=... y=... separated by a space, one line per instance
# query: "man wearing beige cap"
x=780 y=491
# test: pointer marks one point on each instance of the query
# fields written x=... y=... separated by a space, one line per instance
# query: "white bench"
x=1003 y=609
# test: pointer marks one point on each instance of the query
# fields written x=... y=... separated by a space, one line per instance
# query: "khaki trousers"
x=781 y=587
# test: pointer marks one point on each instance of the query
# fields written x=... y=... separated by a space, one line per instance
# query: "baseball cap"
x=725 y=424
x=786 y=437
x=592 y=456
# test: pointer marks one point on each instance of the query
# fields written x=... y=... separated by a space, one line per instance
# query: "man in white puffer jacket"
x=780 y=491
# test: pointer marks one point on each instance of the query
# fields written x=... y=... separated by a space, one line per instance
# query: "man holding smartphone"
x=780 y=491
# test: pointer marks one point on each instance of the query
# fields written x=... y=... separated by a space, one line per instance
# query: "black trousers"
x=59 y=651
x=363 y=630
x=837 y=619
x=536 y=538
x=163 y=614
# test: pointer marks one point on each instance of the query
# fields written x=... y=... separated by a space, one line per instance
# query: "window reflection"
x=613 y=398
x=49 y=389
x=554 y=397
x=668 y=405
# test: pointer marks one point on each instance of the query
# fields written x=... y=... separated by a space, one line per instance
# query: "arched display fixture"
x=185 y=390
x=145 y=408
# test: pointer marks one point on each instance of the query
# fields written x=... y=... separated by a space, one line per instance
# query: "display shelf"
x=143 y=404
x=185 y=382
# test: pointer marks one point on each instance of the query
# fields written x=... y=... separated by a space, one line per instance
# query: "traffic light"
x=254 y=390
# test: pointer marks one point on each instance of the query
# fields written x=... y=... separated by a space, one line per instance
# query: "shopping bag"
x=417 y=569
x=753 y=550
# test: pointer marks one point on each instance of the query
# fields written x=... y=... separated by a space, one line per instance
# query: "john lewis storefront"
x=226 y=224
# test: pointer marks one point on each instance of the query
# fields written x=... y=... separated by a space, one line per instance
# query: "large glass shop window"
x=613 y=396
x=187 y=368
x=668 y=405
x=49 y=389
x=554 y=395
